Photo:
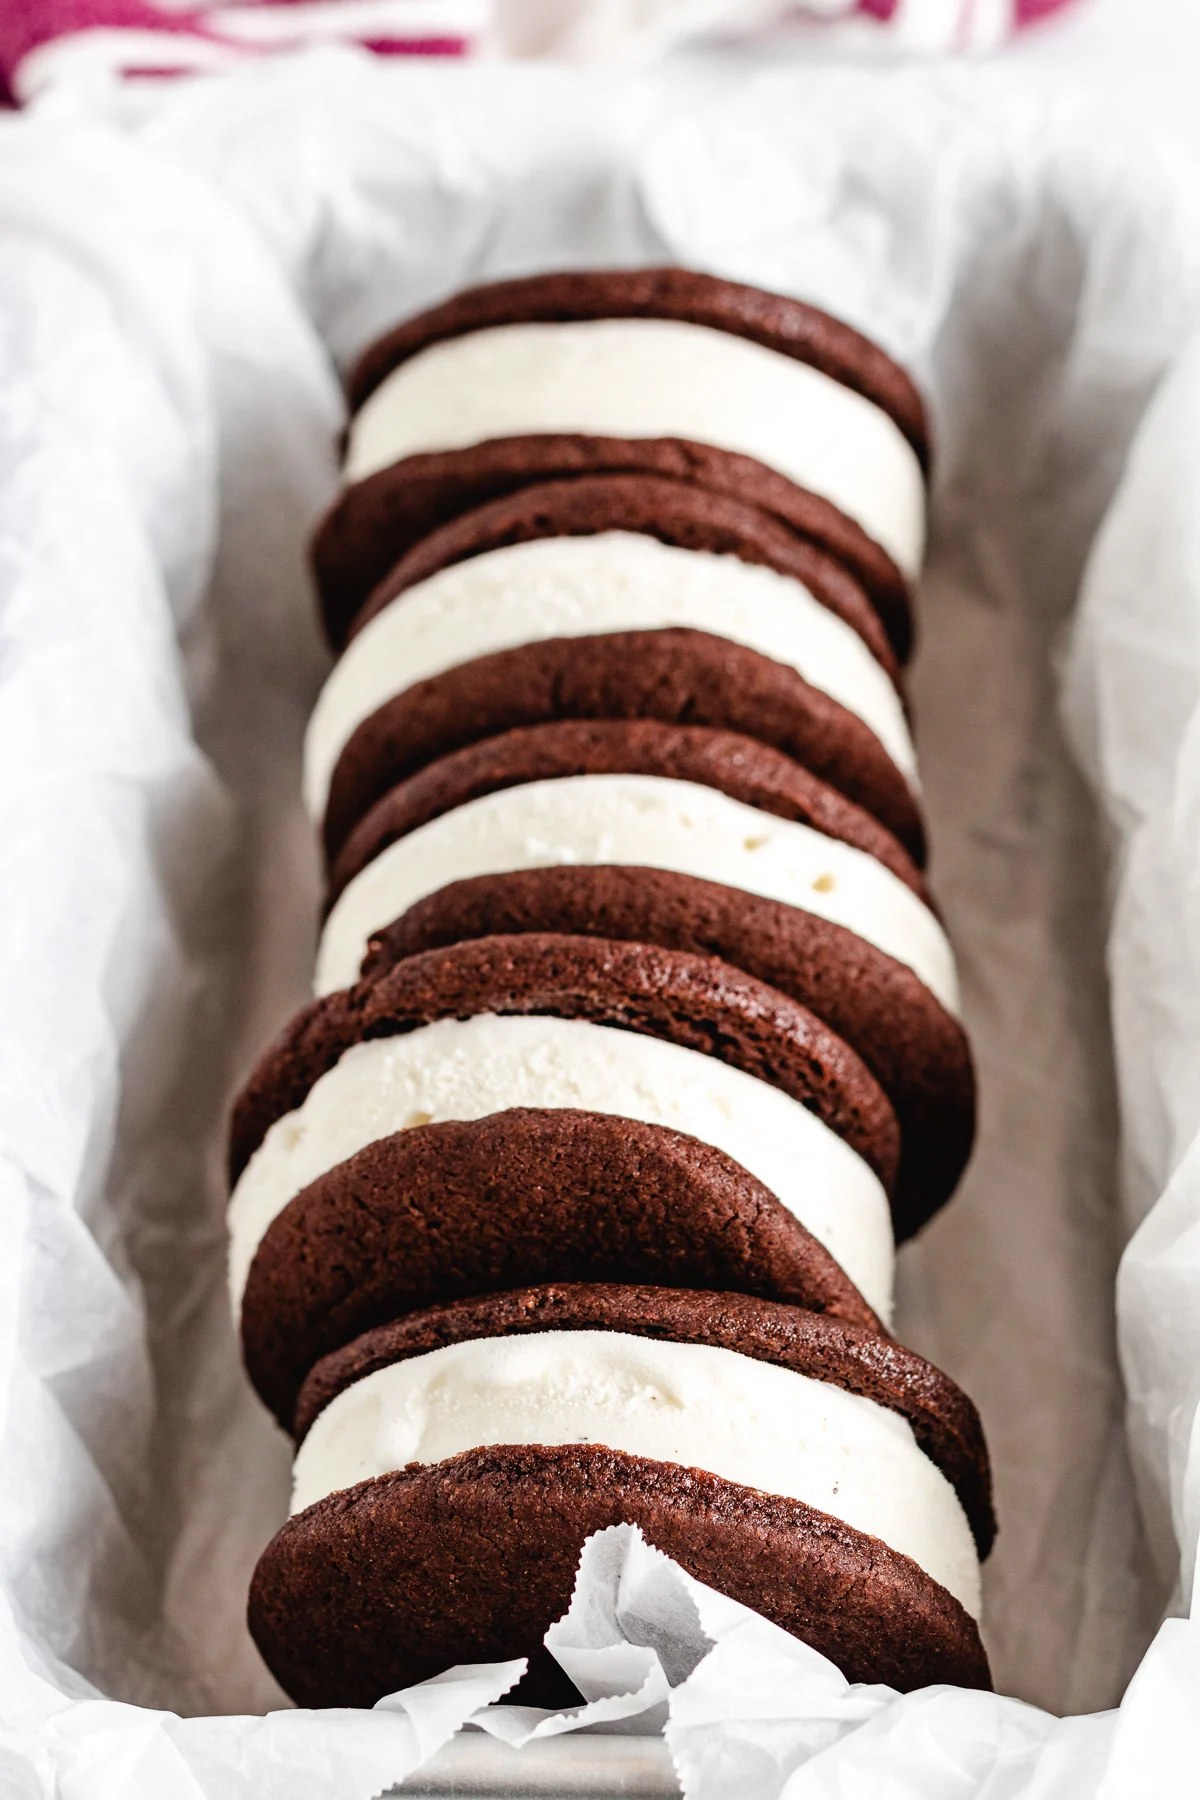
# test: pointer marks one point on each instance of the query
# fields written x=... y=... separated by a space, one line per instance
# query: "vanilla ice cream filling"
x=704 y=1407
x=469 y=1068
x=581 y=587
x=650 y=821
x=645 y=378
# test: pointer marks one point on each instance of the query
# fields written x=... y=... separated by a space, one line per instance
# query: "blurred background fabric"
x=591 y=29
x=90 y=43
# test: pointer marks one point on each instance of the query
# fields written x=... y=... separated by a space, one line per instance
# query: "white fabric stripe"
x=102 y=53
x=86 y=57
x=325 y=19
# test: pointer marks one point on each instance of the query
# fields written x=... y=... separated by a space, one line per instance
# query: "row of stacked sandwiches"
x=573 y=1196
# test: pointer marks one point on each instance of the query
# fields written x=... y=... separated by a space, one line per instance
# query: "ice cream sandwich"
x=451 y=1465
x=912 y=1043
x=614 y=626
x=572 y=1198
x=660 y=371
x=501 y=1025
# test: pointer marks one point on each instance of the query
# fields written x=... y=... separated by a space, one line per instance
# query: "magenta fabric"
x=24 y=24
x=960 y=30
x=1030 y=11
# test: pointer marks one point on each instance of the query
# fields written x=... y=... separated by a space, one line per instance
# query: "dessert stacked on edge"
x=573 y=1196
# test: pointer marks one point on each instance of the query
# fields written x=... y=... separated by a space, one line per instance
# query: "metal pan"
x=474 y=1766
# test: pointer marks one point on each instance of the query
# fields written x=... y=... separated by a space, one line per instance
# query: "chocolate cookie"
x=463 y=1208
x=471 y=1560
x=741 y=767
x=676 y=676
x=695 y=1001
x=943 y=1420
x=673 y=512
x=917 y=1051
x=789 y=327
x=377 y=521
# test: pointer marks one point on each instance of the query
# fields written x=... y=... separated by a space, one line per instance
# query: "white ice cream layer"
x=752 y=1422
x=649 y=821
x=581 y=587
x=468 y=1068
x=639 y=378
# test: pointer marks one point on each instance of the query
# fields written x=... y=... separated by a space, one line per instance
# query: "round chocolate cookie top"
x=472 y=1559
x=695 y=1001
x=443 y=1211
x=742 y=767
x=678 y=676
x=374 y=523
x=789 y=327
x=917 y=1051
x=674 y=512
x=944 y=1422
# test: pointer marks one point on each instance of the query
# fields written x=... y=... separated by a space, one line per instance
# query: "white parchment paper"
x=178 y=285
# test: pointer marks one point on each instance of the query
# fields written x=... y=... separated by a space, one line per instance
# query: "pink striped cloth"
x=925 y=25
x=46 y=41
